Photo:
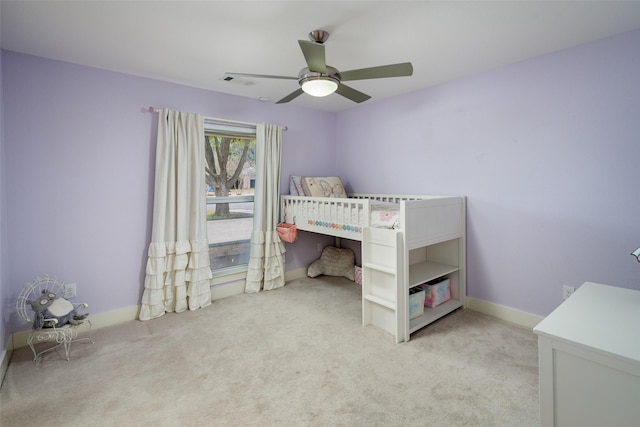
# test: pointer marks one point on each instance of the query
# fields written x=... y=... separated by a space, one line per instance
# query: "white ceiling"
x=196 y=42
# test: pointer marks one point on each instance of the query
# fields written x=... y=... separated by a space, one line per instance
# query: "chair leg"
x=87 y=338
x=37 y=354
x=67 y=347
x=33 y=349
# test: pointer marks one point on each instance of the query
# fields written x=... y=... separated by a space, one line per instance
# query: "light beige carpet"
x=296 y=356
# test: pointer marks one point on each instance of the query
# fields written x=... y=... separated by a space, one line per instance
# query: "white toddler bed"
x=345 y=217
x=407 y=240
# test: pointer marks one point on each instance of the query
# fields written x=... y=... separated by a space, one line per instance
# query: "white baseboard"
x=235 y=287
x=101 y=320
x=502 y=312
x=227 y=289
x=115 y=317
x=110 y=318
x=295 y=274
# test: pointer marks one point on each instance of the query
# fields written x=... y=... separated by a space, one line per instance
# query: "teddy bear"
x=51 y=306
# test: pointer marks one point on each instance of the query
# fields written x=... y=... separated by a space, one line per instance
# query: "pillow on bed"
x=295 y=186
x=385 y=215
x=385 y=219
x=328 y=186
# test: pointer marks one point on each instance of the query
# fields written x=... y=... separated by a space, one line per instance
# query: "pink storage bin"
x=416 y=302
x=437 y=293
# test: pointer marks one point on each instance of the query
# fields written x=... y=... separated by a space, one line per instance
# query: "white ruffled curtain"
x=178 y=276
x=266 y=256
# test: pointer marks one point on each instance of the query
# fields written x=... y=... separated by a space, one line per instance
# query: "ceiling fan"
x=320 y=79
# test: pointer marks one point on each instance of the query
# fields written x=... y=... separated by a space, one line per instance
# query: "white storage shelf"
x=427 y=271
x=394 y=262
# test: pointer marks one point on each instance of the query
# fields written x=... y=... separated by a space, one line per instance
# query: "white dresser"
x=589 y=359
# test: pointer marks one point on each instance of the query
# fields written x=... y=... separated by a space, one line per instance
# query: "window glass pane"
x=230 y=177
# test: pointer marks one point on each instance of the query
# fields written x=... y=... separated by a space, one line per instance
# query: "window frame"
x=239 y=130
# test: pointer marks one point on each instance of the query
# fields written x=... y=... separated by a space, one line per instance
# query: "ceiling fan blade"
x=291 y=96
x=259 y=76
x=351 y=93
x=393 y=70
x=314 y=55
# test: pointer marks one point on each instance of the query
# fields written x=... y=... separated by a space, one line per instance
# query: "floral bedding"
x=385 y=215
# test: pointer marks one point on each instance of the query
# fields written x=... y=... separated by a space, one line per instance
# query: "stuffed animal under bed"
x=51 y=306
x=334 y=262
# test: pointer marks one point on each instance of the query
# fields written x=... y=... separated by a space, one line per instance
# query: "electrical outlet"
x=69 y=290
x=567 y=291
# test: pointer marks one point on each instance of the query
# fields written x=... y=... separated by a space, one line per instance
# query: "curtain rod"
x=215 y=119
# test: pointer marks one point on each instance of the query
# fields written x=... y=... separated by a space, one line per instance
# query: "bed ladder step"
x=381 y=301
x=378 y=267
x=383 y=298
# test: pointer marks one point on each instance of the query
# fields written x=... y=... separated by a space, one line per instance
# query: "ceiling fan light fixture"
x=319 y=79
x=319 y=86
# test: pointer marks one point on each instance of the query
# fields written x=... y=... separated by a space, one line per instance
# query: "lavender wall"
x=545 y=150
x=80 y=153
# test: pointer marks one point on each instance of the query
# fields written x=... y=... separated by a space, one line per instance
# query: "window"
x=230 y=153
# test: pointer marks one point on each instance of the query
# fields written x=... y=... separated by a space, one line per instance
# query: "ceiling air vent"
x=238 y=81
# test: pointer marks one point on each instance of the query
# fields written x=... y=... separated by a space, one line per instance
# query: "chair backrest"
x=33 y=290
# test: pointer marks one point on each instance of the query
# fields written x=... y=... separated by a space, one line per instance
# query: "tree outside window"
x=230 y=178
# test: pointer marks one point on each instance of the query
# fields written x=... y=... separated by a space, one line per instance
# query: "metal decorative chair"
x=47 y=330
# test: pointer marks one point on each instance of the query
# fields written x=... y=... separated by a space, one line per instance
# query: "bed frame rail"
x=339 y=217
x=335 y=217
